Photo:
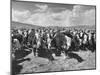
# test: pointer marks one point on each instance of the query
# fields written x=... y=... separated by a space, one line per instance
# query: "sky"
x=52 y=14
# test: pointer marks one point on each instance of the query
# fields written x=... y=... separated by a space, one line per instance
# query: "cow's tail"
x=76 y=56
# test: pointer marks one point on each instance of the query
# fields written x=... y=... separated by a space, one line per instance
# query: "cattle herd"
x=49 y=43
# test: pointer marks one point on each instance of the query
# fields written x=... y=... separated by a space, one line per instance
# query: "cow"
x=48 y=40
x=63 y=43
x=19 y=37
x=31 y=37
x=44 y=51
x=19 y=55
x=57 y=42
x=92 y=42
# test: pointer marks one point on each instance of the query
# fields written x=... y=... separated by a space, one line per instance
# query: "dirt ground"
x=38 y=64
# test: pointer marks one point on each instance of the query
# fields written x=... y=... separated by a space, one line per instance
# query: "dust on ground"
x=38 y=64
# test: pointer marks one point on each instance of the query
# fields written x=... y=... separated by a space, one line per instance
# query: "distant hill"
x=83 y=27
x=17 y=25
x=76 y=27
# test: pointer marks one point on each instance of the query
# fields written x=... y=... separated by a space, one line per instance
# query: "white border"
x=5 y=36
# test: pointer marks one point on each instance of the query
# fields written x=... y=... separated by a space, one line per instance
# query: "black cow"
x=31 y=37
x=44 y=52
x=19 y=37
x=58 y=42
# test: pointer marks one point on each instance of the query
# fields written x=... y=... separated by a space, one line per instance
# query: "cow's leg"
x=93 y=46
x=34 y=51
x=50 y=56
x=37 y=47
x=58 y=52
x=83 y=47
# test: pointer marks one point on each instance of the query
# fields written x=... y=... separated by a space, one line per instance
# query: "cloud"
x=52 y=19
x=20 y=16
x=41 y=8
x=79 y=15
x=62 y=18
x=37 y=19
x=90 y=17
